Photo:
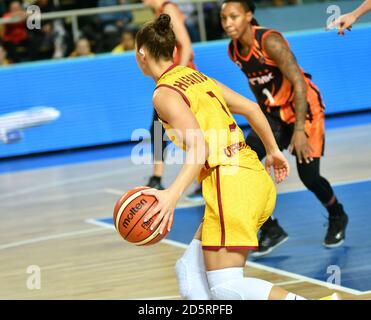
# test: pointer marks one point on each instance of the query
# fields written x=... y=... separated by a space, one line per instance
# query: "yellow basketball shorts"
x=237 y=203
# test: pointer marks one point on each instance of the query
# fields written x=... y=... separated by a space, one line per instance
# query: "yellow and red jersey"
x=225 y=139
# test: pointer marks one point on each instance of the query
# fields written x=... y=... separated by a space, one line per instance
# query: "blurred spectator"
x=191 y=22
x=68 y=4
x=3 y=60
x=88 y=24
x=82 y=4
x=82 y=49
x=2 y=8
x=214 y=29
x=115 y=21
x=109 y=26
x=127 y=42
x=50 y=41
x=14 y=35
x=103 y=30
x=125 y=17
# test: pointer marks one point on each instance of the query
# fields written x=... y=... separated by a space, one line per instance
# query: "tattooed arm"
x=278 y=50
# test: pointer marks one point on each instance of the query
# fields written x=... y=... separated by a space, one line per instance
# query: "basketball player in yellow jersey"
x=239 y=194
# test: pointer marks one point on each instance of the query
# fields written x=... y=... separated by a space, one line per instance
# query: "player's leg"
x=230 y=230
x=190 y=271
x=312 y=179
x=225 y=274
x=158 y=147
x=338 y=220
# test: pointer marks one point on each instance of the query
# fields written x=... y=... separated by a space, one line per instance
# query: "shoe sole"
x=335 y=245
x=261 y=254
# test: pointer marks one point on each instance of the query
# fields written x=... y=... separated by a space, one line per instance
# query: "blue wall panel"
x=103 y=99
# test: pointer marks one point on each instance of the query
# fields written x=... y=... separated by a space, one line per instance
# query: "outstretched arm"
x=172 y=108
x=347 y=20
x=251 y=111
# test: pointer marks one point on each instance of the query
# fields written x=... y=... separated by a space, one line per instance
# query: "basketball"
x=128 y=218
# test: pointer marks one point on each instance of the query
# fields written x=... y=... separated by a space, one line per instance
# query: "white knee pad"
x=230 y=284
x=182 y=276
x=191 y=275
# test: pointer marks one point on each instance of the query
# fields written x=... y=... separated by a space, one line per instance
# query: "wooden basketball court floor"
x=44 y=215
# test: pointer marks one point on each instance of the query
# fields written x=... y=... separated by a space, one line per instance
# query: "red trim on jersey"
x=177 y=90
x=231 y=248
x=248 y=56
x=220 y=207
x=168 y=69
x=232 y=127
x=162 y=119
x=207 y=166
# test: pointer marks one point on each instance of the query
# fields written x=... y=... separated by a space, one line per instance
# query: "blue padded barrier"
x=102 y=99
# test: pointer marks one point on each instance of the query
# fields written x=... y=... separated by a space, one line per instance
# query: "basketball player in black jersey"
x=293 y=106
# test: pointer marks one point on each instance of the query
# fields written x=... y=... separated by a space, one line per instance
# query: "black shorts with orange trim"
x=283 y=132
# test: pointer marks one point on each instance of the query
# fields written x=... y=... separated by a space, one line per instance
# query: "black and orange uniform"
x=157 y=151
x=275 y=93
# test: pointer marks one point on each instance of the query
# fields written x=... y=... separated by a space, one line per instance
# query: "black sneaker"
x=196 y=196
x=336 y=231
x=155 y=182
x=270 y=238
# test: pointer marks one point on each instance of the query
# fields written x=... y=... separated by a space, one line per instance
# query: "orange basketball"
x=128 y=217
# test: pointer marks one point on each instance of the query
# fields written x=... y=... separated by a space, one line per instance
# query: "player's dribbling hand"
x=280 y=165
x=164 y=207
x=343 y=23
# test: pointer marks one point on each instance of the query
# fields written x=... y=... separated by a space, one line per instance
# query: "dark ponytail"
x=162 y=24
x=158 y=37
x=248 y=5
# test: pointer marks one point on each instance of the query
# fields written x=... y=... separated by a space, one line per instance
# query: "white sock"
x=230 y=284
x=293 y=296
x=191 y=274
